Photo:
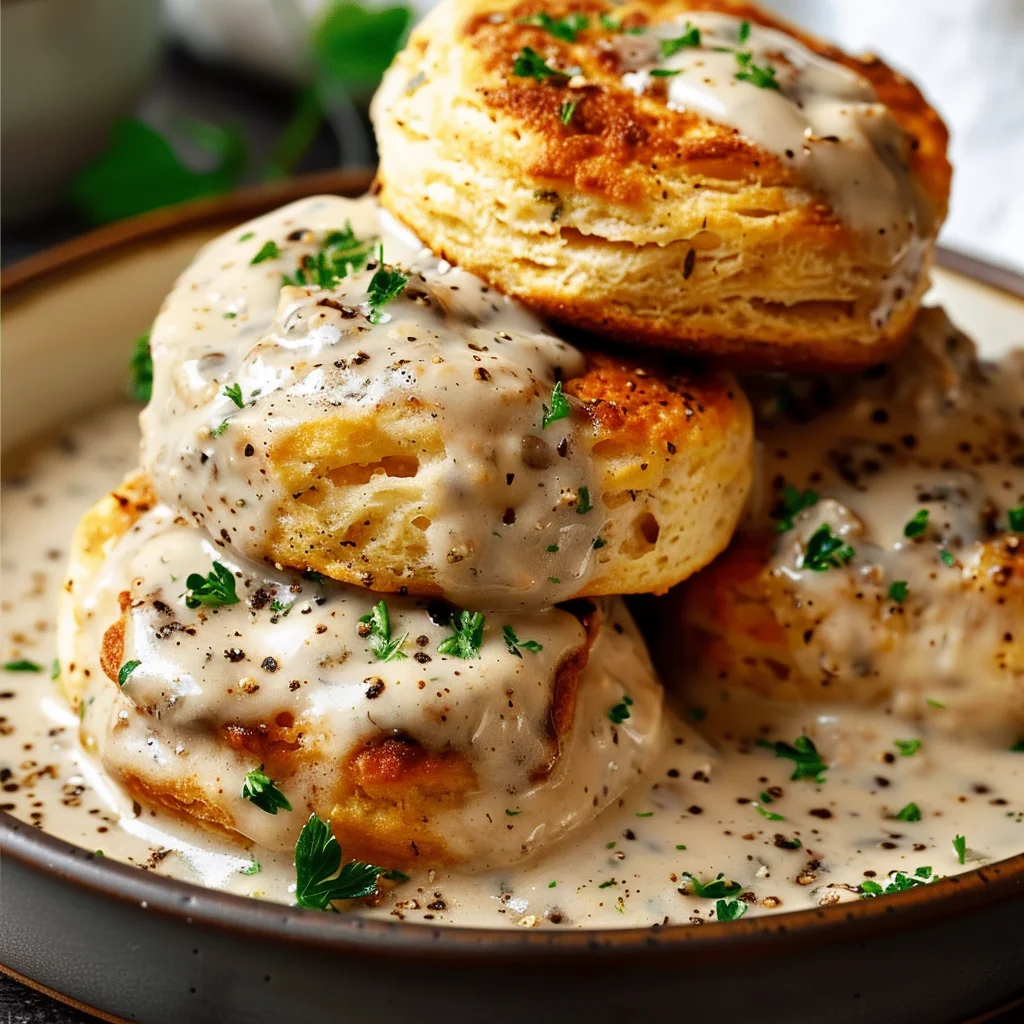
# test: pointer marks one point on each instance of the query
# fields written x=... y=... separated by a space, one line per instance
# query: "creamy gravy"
x=824 y=120
x=496 y=506
x=696 y=809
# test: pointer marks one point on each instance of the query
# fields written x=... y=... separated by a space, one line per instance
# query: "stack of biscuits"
x=406 y=452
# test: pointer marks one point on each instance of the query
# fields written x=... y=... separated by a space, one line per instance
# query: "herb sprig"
x=260 y=790
x=565 y=28
x=320 y=876
x=825 y=551
x=718 y=888
x=513 y=643
x=467 y=635
x=375 y=626
x=216 y=588
x=807 y=762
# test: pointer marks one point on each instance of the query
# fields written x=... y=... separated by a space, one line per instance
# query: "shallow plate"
x=137 y=946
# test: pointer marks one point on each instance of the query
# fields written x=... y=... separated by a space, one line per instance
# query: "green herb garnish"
x=910 y=813
x=216 y=588
x=379 y=634
x=513 y=643
x=568 y=108
x=899 y=882
x=23 y=665
x=512 y=813
x=386 y=284
x=730 y=910
x=948 y=558
x=960 y=845
x=234 y=392
x=825 y=551
x=665 y=72
x=318 y=858
x=618 y=713
x=560 y=407
x=804 y=755
x=744 y=33
x=561 y=28
x=126 y=670
x=140 y=367
x=898 y=591
x=259 y=789
x=251 y=869
x=691 y=37
x=268 y=251
x=916 y=526
x=341 y=253
x=1016 y=519
x=770 y=815
x=584 y=505
x=218 y=430
x=908 y=748
x=530 y=64
x=55 y=669
x=717 y=888
x=467 y=636
x=791 y=503
x=762 y=77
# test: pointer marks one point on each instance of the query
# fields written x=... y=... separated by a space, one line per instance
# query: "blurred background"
x=111 y=108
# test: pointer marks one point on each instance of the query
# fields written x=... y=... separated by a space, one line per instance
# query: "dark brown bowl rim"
x=355 y=935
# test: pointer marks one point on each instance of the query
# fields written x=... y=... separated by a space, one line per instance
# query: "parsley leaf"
x=908 y=748
x=561 y=28
x=216 y=588
x=825 y=551
x=560 y=407
x=898 y=590
x=385 y=285
x=898 y=882
x=259 y=789
x=234 y=392
x=1016 y=519
x=140 y=366
x=909 y=813
x=960 y=845
x=218 y=430
x=717 y=888
x=770 y=815
x=340 y=253
x=250 y=869
x=513 y=643
x=730 y=910
x=762 y=77
x=317 y=859
x=916 y=526
x=744 y=33
x=378 y=632
x=691 y=37
x=530 y=64
x=467 y=636
x=618 y=713
x=24 y=665
x=55 y=670
x=126 y=670
x=791 y=503
x=269 y=251
x=804 y=755
x=567 y=110
x=665 y=72
x=585 y=504
x=948 y=558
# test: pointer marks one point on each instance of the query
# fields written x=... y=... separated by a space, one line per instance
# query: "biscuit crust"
x=636 y=220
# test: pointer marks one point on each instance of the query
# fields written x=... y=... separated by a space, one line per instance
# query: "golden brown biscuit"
x=366 y=712
x=445 y=443
x=894 y=570
x=531 y=144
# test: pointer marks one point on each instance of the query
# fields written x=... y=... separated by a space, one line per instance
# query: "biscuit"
x=644 y=172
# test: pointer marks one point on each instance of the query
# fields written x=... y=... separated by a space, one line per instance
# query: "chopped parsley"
x=259 y=789
x=916 y=526
x=909 y=813
x=140 y=366
x=320 y=876
x=730 y=910
x=281 y=609
x=218 y=430
x=530 y=64
x=585 y=504
x=960 y=845
x=825 y=551
x=126 y=670
x=23 y=665
x=552 y=547
x=608 y=884
x=216 y=588
x=234 y=392
x=561 y=28
x=804 y=755
x=379 y=634
x=386 y=284
x=665 y=72
x=247 y=236
x=513 y=643
x=230 y=315
x=341 y=253
x=645 y=814
x=618 y=713
x=560 y=407
x=250 y=869
x=765 y=813
x=467 y=635
x=512 y=813
x=55 y=670
x=933 y=703
x=791 y=503
x=718 y=888
x=612 y=24
x=568 y=108
x=744 y=33
x=1016 y=519
x=899 y=882
x=691 y=37
x=898 y=590
x=908 y=748
x=762 y=77
x=948 y=558
x=269 y=251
